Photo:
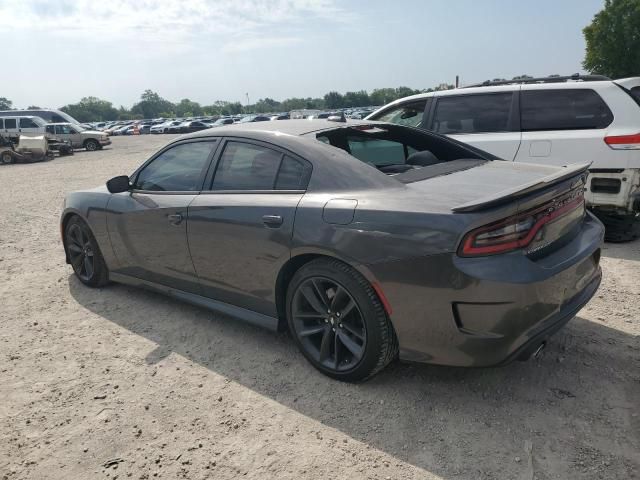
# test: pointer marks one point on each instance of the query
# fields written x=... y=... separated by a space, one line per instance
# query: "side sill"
x=249 y=316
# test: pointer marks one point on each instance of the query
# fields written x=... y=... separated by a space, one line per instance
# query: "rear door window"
x=477 y=113
x=10 y=123
x=245 y=166
x=563 y=109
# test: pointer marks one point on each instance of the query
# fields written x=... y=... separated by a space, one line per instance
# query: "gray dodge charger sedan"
x=367 y=240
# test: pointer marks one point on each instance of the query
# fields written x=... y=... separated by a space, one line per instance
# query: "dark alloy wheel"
x=84 y=254
x=328 y=323
x=91 y=145
x=338 y=321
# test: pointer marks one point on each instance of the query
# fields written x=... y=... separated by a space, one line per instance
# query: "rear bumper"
x=488 y=311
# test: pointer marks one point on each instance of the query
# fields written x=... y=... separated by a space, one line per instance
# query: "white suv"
x=552 y=121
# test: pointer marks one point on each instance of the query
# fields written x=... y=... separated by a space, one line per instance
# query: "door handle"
x=272 y=221
x=175 y=219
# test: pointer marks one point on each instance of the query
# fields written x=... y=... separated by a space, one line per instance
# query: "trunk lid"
x=495 y=194
x=495 y=183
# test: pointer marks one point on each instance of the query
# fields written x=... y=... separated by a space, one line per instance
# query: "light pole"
x=247 y=94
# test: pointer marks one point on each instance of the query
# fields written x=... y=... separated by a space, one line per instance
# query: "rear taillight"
x=623 y=142
x=518 y=231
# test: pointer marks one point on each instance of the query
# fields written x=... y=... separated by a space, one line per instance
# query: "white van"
x=14 y=126
x=552 y=121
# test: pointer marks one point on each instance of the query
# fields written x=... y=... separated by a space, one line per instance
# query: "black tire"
x=363 y=325
x=84 y=254
x=6 y=158
x=91 y=145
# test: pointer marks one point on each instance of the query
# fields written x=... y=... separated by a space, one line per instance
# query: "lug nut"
x=338 y=314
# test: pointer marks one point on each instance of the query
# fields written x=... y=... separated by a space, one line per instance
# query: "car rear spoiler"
x=504 y=196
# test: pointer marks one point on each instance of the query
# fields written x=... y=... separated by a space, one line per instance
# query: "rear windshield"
x=395 y=149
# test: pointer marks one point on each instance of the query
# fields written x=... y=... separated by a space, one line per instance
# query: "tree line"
x=152 y=105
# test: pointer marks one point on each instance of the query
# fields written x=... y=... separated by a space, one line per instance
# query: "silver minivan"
x=78 y=136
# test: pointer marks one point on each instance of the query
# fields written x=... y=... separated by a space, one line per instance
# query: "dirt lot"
x=122 y=383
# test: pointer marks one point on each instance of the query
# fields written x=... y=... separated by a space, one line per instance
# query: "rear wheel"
x=84 y=254
x=338 y=321
x=91 y=145
x=6 y=157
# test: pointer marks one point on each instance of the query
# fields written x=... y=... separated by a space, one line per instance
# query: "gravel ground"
x=123 y=383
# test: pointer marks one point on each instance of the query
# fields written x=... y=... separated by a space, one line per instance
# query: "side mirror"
x=119 y=184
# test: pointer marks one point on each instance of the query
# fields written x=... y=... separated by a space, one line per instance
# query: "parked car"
x=195 y=126
x=551 y=121
x=176 y=127
x=164 y=127
x=255 y=118
x=281 y=116
x=222 y=121
x=88 y=139
x=366 y=239
x=14 y=126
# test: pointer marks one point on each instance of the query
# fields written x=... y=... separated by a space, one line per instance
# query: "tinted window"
x=244 y=166
x=408 y=114
x=27 y=123
x=178 y=169
x=55 y=118
x=473 y=113
x=50 y=129
x=563 y=110
x=1 y=123
x=292 y=175
x=10 y=123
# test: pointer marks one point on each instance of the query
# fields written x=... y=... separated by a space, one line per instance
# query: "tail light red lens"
x=623 y=142
x=518 y=231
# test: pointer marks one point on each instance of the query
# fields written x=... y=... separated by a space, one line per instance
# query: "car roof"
x=258 y=130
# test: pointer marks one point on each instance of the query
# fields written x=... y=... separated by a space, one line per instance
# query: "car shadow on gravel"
x=623 y=251
x=575 y=405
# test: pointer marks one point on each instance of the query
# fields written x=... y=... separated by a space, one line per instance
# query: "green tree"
x=187 y=108
x=5 y=103
x=151 y=105
x=33 y=107
x=91 y=109
x=357 y=99
x=333 y=100
x=613 y=40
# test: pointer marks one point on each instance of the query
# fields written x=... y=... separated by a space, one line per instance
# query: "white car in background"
x=164 y=127
x=551 y=121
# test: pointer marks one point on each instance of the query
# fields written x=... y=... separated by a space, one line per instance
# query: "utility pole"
x=247 y=94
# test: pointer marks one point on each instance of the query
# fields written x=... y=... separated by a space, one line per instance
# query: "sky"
x=63 y=50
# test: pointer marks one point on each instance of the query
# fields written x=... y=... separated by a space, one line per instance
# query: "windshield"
x=394 y=149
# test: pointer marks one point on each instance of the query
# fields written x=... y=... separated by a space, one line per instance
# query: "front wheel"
x=338 y=321
x=84 y=254
x=91 y=145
